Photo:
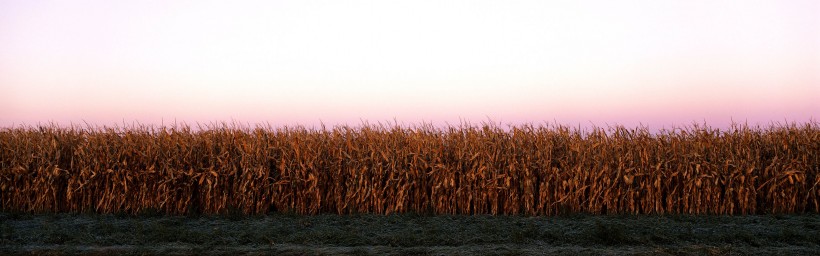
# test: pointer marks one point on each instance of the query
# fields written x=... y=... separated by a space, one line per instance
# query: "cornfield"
x=382 y=169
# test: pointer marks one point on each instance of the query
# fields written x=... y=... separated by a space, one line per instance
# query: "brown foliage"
x=530 y=170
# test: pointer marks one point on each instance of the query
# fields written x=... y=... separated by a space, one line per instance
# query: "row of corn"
x=466 y=169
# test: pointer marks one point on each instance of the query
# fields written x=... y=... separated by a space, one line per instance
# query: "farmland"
x=378 y=189
x=381 y=169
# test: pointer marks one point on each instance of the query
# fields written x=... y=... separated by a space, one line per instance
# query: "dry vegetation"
x=530 y=170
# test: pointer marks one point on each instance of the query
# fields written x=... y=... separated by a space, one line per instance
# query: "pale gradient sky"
x=659 y=63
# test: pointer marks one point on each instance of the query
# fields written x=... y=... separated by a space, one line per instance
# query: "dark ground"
x=408 y=234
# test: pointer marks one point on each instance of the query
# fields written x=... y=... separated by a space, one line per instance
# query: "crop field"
x=381 y=169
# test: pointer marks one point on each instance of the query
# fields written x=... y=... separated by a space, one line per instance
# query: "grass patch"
x=407 y=234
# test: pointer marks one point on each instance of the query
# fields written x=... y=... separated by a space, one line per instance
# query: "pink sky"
x=659 y=63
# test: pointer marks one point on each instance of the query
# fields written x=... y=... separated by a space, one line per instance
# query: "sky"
x=653 y=63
